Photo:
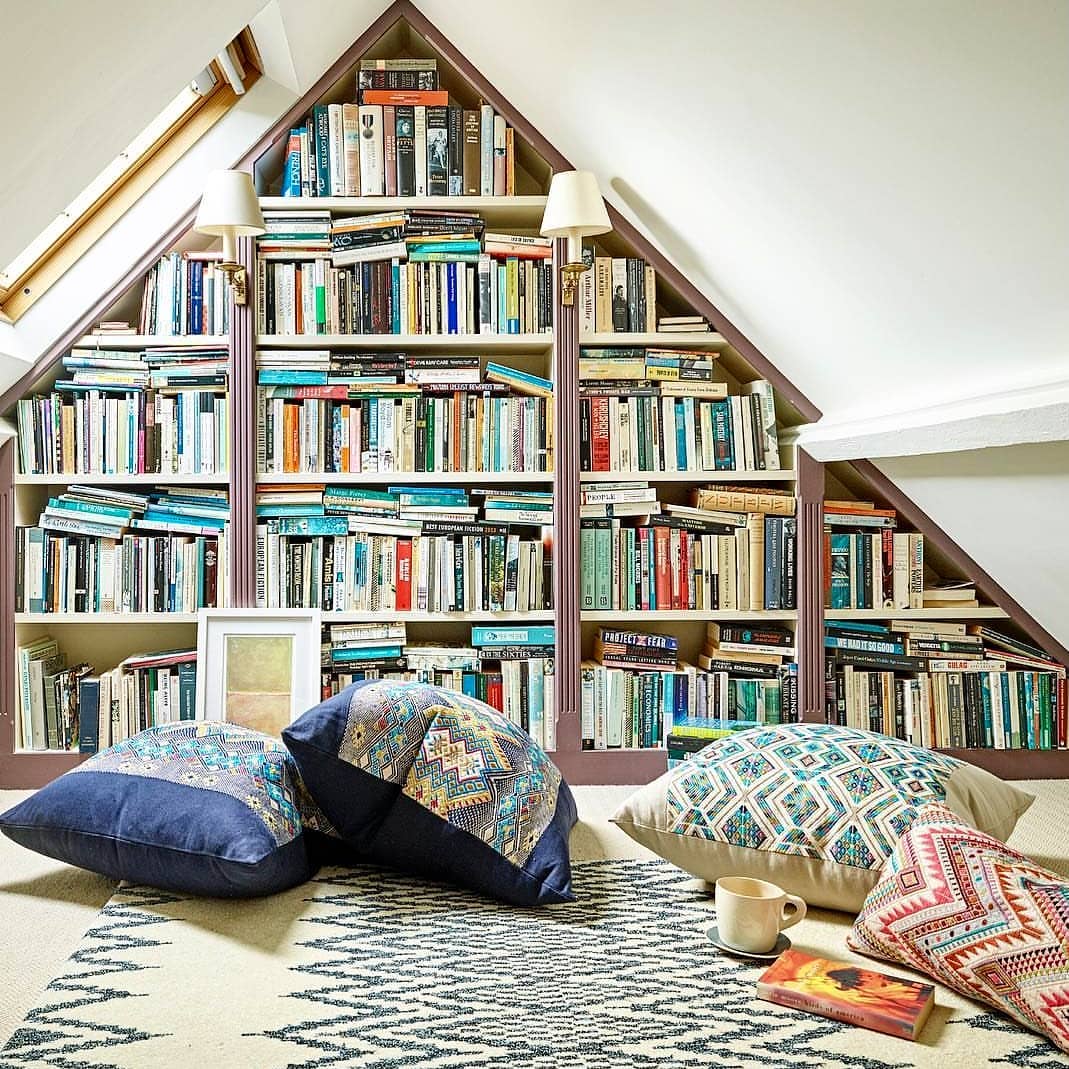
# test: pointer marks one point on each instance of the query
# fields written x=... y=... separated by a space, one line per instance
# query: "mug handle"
x=789 y=918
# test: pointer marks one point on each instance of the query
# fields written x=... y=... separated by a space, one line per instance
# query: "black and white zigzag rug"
x=371 y=969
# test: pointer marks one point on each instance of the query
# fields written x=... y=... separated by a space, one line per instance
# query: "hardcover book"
x=845 y=992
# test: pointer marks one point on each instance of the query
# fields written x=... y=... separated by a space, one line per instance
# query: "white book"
x=372 y=172
x=419 y=136
x=486 y=153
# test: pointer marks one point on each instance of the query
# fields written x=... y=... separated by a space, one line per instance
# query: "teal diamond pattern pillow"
x=815 y=808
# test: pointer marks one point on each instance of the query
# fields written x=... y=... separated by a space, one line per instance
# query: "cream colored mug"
x=750 y=913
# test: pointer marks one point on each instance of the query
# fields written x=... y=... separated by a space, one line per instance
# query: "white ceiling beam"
x=1013 y=417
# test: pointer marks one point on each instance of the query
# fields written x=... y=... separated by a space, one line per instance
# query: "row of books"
x=636 y=693
x=354 y=412
x=406 y=549
x=945 y=684
x=104 y=550
x=509 y=296
x=161 y=411
x=619 y=294
x=870 y=565
x=75 y=708
x=677 y=426
x=681 y=556
x=976 y=708
x=509 y=668
x=185 y=293
x=401 y=138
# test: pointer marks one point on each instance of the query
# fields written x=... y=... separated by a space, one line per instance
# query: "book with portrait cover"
x=849 y=993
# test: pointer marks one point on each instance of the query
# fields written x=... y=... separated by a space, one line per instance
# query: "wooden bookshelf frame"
x=807 y=475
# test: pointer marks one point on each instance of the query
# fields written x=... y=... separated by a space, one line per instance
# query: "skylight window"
x=185 y=119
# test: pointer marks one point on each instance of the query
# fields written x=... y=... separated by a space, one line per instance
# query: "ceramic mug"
x=750 y=913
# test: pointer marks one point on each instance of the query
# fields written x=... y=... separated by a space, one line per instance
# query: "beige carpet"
x=47 y=906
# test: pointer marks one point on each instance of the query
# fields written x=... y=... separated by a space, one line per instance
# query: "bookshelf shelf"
x=520 y=211
x=985 y=612
x=708 y=341
x=596 y=616
x=411 y=478
x=150 y=341
x=98 y=618
x=786 y=475
x=88 y=479
x=459 y=343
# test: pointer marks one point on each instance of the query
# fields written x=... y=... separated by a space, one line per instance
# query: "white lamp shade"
x=574 y=207
x=228 y=206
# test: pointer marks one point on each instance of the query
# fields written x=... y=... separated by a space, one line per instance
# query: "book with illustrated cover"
x=849 y=993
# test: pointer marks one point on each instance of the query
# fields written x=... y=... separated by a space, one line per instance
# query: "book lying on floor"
x=845 y=992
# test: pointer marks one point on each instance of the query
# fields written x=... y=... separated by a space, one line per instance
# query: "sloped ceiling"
x=875 y=192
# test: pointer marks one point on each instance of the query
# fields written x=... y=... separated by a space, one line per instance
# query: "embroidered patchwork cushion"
x=201 y=807
x=815 y=808
x=976 y=915
x=440 y=784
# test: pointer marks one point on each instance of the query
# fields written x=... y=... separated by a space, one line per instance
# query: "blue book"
x=280 y=377
x=723 y=446
x=196 y=296
x=840 y=571
x=91 y=508
x=314 y=525
x=364 y=653
x=439 y=492
x=275 y=511
x=513 y=636
x=321 y=136
x=451 y=295
x=518 y=376
x=166 y=516
x=853 y=625
x=291 y=181
x=395 y=291
x=467 y=685
x=681 y=436
x=88 y=714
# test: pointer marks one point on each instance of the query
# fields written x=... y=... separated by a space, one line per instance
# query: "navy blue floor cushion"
x=441 y=784
x=198 y=806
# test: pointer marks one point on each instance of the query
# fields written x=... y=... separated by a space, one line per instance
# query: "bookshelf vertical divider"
x=242 y=548
x=809 y=635
x=566 y=512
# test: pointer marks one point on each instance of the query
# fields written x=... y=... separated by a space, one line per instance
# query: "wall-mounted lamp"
x=229 y=209
x=574 y=210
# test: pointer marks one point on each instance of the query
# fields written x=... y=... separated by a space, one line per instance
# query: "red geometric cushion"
x=979 y=917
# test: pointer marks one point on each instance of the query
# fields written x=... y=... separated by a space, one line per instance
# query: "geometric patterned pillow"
x=814 y=808
x=197 y=806
x=439 y=783
x=977 y=916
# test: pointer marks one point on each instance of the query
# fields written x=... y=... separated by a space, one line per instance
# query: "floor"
x=46 y=906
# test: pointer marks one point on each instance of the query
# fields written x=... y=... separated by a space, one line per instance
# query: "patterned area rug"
x=371 y=969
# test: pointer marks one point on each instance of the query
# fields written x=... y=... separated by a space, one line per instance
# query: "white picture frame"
x=257 y=667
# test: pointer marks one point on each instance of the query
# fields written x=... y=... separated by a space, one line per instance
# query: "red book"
x=662 y=570
x=599 y=434
x=493 y=694
x=849 y=993
x=404 y=575
x=428 y=97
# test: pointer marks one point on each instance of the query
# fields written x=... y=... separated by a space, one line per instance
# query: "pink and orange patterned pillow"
x=976 y=915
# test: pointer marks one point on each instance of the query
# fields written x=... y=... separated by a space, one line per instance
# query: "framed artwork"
x=257 y=667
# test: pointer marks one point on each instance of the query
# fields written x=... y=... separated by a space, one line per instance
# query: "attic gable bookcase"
x=403 y=32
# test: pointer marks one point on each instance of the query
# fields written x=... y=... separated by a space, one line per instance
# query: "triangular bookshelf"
x=403 y=32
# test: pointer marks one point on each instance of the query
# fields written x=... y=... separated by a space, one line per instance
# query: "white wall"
x=1009 y=509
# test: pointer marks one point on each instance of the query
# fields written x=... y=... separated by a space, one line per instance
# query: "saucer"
x=782 y=944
